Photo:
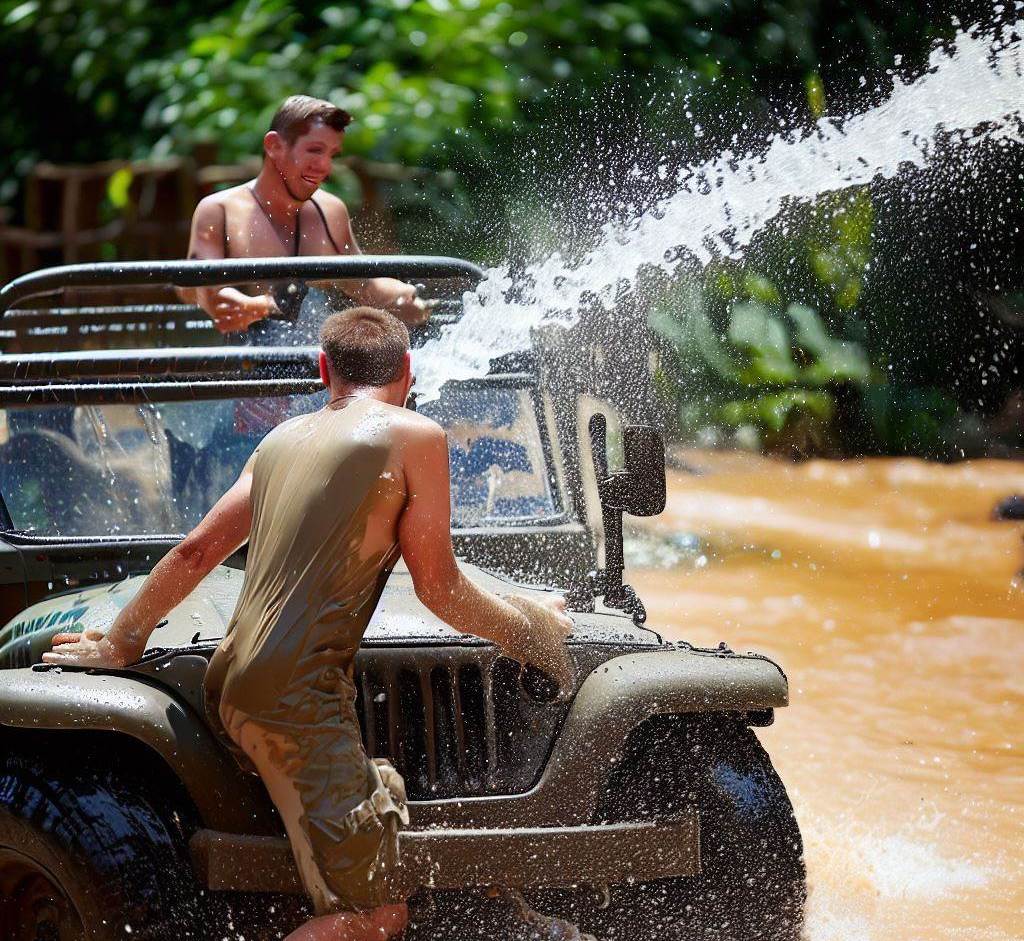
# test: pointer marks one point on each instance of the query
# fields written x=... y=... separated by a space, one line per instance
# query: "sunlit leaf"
x=21 y=12
x=765 y=341
x=815 y=89
x=118 y=187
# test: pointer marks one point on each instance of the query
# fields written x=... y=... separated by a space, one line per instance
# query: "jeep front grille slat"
x=429 y=736
x=393 y=703
x=471 y=694
x=460 y=726
x=455 y=725
x=490 y=725
x=429 y=727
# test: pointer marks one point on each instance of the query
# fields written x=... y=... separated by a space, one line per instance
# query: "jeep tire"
x=86 y=856
x=753 y=883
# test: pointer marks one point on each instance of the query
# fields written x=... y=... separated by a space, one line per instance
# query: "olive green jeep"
x=639 y=807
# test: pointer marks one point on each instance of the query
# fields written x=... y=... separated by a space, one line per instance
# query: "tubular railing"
x=221 y=272
x=75 y=376
x=180 y=362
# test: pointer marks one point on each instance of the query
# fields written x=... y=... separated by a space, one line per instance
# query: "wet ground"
x=892 y=601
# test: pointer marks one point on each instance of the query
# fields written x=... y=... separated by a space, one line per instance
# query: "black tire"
x=87 y=856
x=753 y=883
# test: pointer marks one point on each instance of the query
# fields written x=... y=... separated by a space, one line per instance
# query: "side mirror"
x=645 y=465
x=639 y=491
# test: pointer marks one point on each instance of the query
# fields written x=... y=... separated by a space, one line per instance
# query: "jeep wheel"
x=753 y=883
x=86 y=857
x=32 y=905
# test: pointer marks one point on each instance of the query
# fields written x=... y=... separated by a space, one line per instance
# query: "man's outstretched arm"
x=231 y=309
x=174 y=577
x=524 y=629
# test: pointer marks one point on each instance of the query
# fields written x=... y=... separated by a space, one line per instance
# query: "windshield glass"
x=115 y=470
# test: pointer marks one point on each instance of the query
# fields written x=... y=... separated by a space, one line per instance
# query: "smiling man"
x=284 y=212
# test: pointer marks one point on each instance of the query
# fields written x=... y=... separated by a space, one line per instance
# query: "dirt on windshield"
x=892 y=599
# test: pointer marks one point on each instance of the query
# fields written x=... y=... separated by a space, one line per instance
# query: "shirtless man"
x=327 y=503
x=284 y=212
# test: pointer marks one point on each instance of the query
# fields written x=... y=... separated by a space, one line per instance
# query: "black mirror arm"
x=608 y=580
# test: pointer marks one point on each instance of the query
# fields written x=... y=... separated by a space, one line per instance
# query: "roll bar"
x=103 y=393
x=224 y=271
x=182 y=363
x=157 y=375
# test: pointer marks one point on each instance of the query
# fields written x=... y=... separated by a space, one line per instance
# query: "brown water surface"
x=892 y=601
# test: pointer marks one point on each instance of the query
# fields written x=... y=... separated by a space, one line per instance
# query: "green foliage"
x=781 y=361
x=815 y=94
x=496 y=93
x=908 y=419
x=764 y=339
x=755 y=358
x=439 y=83
x=775 y=410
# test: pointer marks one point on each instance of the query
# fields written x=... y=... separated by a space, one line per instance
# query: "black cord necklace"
x=341 y=398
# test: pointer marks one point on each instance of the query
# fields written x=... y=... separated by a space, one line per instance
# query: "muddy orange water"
x=892 y=601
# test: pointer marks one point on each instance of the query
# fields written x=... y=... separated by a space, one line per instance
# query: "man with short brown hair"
x=284 y=212
x=327 y=503
x=364 y=343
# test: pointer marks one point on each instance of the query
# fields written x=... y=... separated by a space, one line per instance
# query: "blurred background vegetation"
x=871 y=322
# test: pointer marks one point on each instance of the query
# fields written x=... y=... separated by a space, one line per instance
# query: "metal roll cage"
x=185 y=373
x=226 y=271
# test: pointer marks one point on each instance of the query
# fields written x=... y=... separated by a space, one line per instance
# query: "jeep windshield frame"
x=153 y=377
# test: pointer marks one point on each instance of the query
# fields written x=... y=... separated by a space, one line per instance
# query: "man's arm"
x=392 y=295
x=524 y=629
x=174 y=577
x=231 y=309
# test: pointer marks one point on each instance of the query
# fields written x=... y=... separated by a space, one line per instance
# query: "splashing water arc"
x=971 y=91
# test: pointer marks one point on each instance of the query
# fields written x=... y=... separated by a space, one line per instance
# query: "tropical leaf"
x=765 y=341
x=834 y=360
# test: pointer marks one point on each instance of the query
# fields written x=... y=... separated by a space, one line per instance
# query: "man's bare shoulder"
x=225 y=197
x=332 y=206
x=411 y=426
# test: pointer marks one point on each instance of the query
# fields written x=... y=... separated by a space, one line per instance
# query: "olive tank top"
x=327 y=493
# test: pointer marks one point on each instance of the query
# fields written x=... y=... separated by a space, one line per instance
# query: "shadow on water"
x=893 y=601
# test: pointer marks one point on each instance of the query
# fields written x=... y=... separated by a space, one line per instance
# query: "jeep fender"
x=73 y=700
x=611 y=702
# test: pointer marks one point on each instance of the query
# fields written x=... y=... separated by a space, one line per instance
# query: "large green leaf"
x=764 y=340
x=834 y=360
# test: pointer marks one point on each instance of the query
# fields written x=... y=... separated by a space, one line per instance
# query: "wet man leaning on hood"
x=327 y=504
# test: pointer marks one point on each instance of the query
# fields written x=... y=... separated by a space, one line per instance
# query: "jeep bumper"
x=453 y=859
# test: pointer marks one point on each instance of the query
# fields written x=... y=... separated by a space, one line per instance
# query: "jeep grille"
x=454 y=724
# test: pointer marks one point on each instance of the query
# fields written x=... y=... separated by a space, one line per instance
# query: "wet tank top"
x=327 y=493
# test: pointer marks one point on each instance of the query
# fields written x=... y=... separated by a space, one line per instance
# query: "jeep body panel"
x=75 y=701
x=612 y=700
x=453 y=841
x=205 y=614
x=615 y=698
x=525 y=857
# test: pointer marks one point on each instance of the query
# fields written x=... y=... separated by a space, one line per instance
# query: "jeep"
x=641 y=806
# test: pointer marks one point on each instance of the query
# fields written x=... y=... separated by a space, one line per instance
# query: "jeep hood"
x=400 y=618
